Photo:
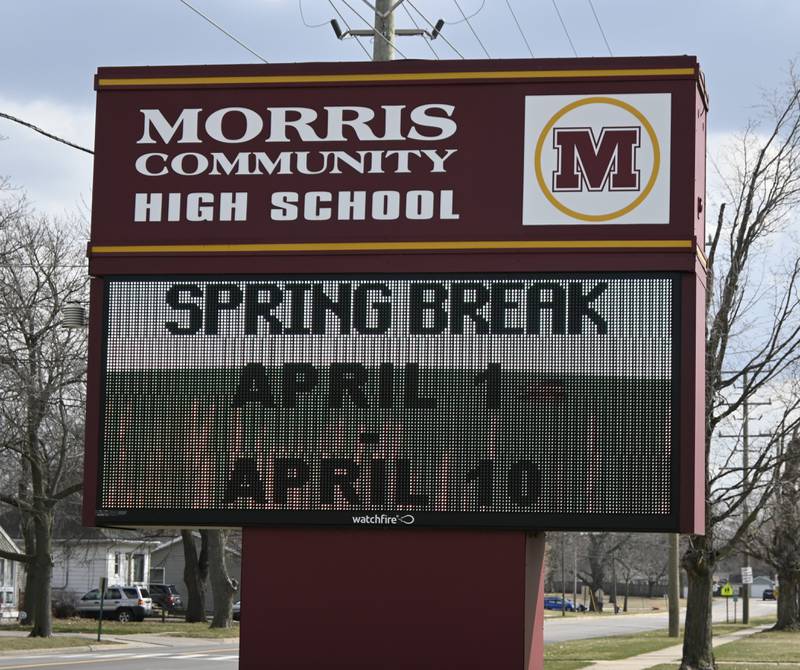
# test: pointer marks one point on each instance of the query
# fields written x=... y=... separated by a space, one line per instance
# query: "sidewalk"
x=145 y=640
x=670 y=654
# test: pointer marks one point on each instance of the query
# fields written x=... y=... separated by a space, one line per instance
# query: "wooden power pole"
x=383 y=44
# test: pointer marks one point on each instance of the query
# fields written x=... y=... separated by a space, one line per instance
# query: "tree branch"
x=65 y=493
x=19 y=558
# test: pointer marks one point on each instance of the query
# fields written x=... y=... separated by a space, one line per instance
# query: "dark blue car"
x=554 y=603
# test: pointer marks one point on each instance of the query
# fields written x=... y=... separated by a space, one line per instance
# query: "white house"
x=9 y=576
x=79 y=564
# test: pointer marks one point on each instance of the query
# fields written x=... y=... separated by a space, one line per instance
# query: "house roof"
x=175 y=540
x=108 y=540
x=7 y=544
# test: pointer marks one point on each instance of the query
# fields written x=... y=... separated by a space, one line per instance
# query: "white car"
x=123 y=603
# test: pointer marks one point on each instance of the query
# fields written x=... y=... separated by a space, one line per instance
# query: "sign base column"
x=392 y=599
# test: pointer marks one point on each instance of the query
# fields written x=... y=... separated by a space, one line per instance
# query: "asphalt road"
x=197 y=656
x=190 y=657
x=575 y=628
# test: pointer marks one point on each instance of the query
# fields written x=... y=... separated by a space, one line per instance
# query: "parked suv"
x=166 y=597
x=123 y=603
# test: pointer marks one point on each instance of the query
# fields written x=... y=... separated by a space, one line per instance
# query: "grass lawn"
x=565 y=665
x=736 y=666
x=623 y=646
x=636 y=605
x=608 y=648
x=773 y=647
x=33 y=643
x=762 y=651
x=177 y=628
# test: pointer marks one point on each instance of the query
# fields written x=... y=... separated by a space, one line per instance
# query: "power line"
x=303 y=18
x=427 y=20
x=221 y=29
x=344 y=20
x=564 y=26
x=45 y=133
x=469 y=23
x=416 y=25
x=377 y=33
x=471 y=16
x=519 y=27
x=599 y=25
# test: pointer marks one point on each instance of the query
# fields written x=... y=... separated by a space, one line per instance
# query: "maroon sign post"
x=397 y=320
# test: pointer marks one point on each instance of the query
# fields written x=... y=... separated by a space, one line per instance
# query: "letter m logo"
x=587 y=163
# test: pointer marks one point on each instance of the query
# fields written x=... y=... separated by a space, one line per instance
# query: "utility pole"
x=563 y=586
x=575 y=570
x=746 y=405
x=745 y=482
x=674 y=587
x=745 y=506
x=614 y=577
x=383 y=31
x=383 y=49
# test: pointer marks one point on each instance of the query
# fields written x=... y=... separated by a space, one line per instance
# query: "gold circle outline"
x=580 y=103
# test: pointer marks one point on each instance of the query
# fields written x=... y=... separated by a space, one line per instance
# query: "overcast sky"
x=50 y=49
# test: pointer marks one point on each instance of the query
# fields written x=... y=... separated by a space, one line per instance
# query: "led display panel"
x=520 y=400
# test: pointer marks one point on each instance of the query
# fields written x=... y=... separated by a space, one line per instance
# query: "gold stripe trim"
x=702 y=258
x=390 y=76
x=396 y=246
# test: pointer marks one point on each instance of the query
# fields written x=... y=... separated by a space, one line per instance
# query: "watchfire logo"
x=384 y=520
x=596 y=159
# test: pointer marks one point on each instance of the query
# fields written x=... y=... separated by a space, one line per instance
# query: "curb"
x=59 y=650
x=117 y=644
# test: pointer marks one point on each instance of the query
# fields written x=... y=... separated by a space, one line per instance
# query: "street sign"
x=399 y=294
x=726 y=591
x=747 y=575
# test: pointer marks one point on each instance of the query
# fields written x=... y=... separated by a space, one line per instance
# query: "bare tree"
x=222 y=585
x=42 y=371
x=643 y=557
x=598 y=553
x=752 y=327
x=653 y=560
x=195 y=575
x=778 y=541
x=628 y=571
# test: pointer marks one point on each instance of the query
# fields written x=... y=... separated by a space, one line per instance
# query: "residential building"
x=79 y=564
x=9 y=579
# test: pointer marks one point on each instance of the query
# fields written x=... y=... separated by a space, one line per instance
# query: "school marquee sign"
x=452 y=294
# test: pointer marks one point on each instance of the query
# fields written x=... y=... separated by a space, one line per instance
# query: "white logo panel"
x=601 y=159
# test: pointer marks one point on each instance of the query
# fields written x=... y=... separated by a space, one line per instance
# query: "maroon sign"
x=533 y=202
x=412 y=157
